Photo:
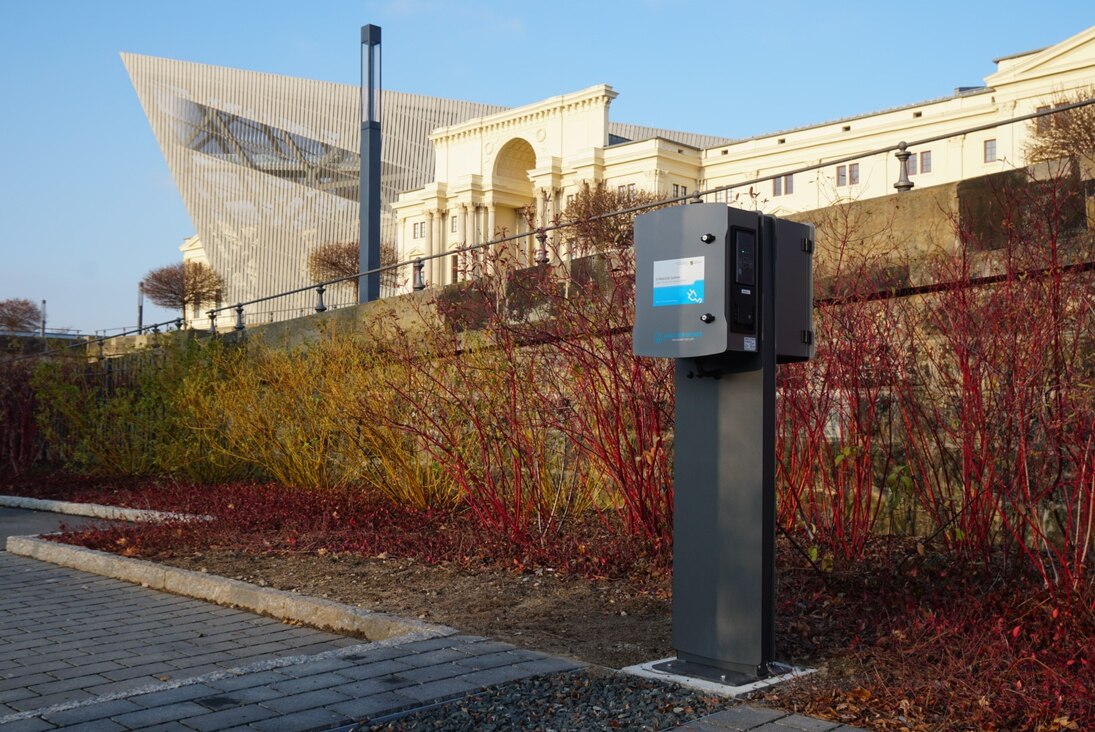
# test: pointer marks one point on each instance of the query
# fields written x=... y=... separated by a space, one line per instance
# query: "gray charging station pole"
x=728 y=294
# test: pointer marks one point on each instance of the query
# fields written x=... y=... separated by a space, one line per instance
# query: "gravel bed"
x=578 y=700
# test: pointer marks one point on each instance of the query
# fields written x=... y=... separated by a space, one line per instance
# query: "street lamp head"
x=370 y=74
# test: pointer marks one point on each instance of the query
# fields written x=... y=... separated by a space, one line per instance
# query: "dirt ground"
x=604 y=622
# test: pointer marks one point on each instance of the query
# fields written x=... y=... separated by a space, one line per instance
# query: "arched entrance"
x=513 y=192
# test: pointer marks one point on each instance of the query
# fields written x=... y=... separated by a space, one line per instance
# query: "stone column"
x=429 y=245
x=436 y=270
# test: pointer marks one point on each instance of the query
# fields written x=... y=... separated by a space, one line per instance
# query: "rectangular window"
x=452 y=224
x=990 y=151
x=676 y=190
x=631 y=189
x=841 y=175
x=621 y=191
x=454 y=268
x=570 y=200
x=783 y=185
x=684 y=190
x=1043 y=122
x=910 y=165
x=853 y=174
x=926 y=161
x=414 y=228
x=777 y=186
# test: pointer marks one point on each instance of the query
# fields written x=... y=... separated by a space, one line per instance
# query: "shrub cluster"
x=960 y=412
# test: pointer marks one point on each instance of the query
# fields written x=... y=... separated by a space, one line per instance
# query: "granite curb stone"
x=95 y=510
x=312 y=611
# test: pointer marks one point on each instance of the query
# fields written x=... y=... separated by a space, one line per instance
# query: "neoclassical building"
x=490 y=171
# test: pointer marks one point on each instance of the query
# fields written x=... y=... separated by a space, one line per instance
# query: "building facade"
x=268 y=166
x=492 y=172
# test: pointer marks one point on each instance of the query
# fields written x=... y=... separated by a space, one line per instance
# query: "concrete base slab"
x=648 y=670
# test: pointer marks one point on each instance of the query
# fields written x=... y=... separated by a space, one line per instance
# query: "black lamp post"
x=369 y=289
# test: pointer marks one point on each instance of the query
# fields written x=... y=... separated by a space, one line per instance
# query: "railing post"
x=212 y=322
x=903 y=183
x=418 y=282
x=239 y=316
x=320 y=307
x=541 y=251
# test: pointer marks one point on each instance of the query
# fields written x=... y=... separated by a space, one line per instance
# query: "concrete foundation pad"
x=647 y=670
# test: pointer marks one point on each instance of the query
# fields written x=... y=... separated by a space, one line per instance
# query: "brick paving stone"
x=177 y=695
x=434 y=673
x=421 y=646
x=309 y=683
x=547 y=665
x=337 y=664
x=161 y=714
x=374 y=706
x=312 y=719
x=27 y=725
x=441 y=655
x=120 y=687
x=48 y=700
x=99 y=725
x=250 y=695
x=499 y=675
x=373 y=687
x=806 y=724
x=149 y=670
x=479 y=648
x=100 y=668
x=30 y=668
x=490 y=660
x=382 y=653
x=372 y=670
x=20 y=692
x=244 y=681
x=77 y=682
x=308 y=700
x=735 y=719
x=215 y=721
x=438 y=690
x=91 y=712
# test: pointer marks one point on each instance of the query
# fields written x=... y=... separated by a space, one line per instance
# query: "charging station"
x=728 y=294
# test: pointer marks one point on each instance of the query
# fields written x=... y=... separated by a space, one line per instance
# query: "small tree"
x=337 y=259
x=594 y=229
x=186 y=283
x=19 y=314
x=1065 y=134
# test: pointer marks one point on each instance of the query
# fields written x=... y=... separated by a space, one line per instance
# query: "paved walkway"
x=78 y=651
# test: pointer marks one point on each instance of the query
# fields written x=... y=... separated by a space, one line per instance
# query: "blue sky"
x=87 y=204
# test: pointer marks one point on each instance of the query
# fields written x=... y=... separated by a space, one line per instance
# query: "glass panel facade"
x=268 y=149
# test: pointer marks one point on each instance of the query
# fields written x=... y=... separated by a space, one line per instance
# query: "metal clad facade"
x=267 y=167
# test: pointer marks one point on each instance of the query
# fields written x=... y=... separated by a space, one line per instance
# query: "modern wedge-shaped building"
x=268 y=165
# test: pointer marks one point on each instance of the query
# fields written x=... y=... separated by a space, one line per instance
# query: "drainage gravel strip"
x=578 y=700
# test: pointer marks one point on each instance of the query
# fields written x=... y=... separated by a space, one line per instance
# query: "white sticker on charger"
x=678 y=281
